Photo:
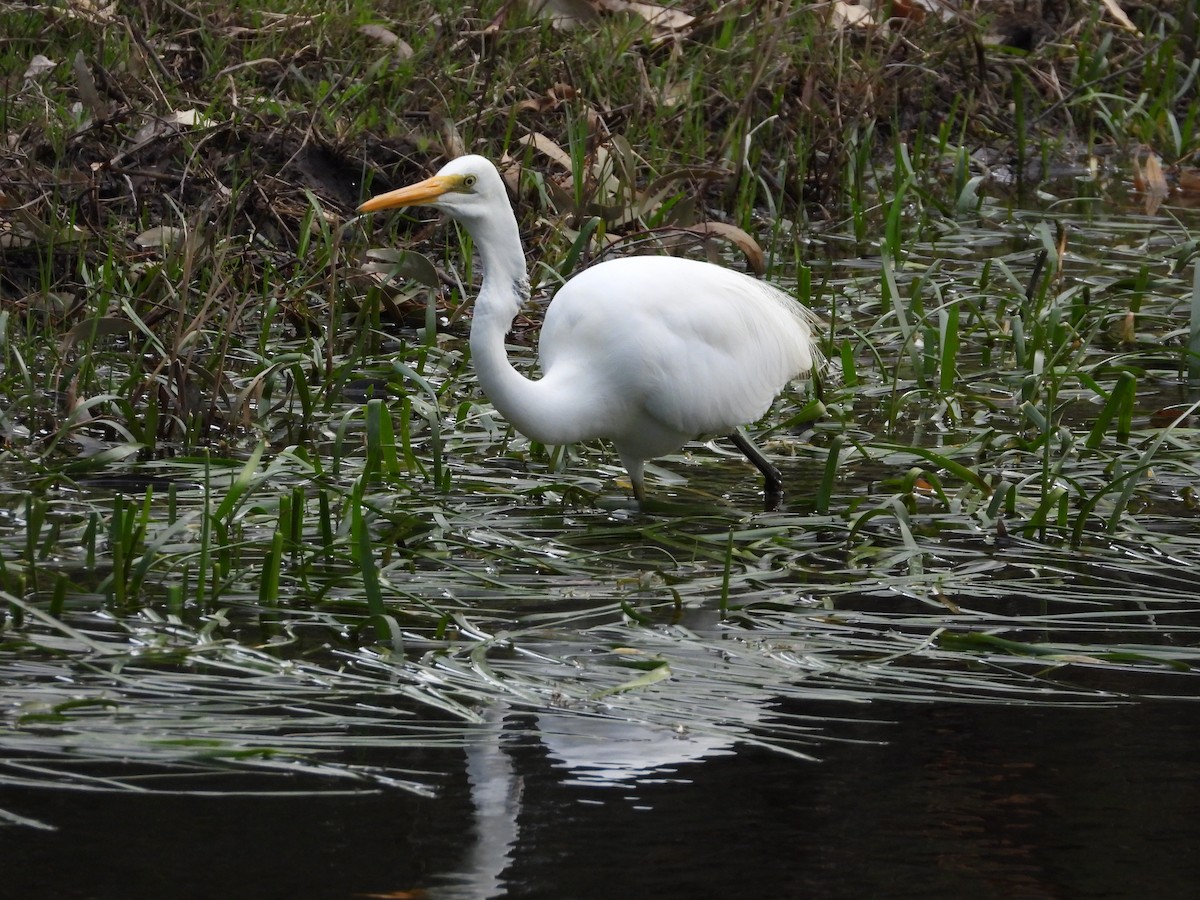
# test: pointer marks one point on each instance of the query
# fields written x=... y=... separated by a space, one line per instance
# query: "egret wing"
x=699 y=348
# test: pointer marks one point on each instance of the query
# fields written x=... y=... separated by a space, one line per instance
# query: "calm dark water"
x=961 y=801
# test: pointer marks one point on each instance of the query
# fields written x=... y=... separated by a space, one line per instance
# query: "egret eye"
x=469 y=181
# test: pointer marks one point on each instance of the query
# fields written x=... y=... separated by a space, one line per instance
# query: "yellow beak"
x=414 y=195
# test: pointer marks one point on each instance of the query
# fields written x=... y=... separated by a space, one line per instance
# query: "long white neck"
x=523 y=402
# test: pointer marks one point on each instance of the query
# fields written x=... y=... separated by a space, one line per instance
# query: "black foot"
x=772 y=480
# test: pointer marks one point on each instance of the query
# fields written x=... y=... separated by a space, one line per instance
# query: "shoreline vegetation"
x=241 y=441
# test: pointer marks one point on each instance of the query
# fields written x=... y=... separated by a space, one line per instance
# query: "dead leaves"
x=661 y=18
x=597 y=201
x=548 y=101
x=38 y=66
x=570 y=14
x=92 y=11
x=1151 y=181
x=21 y=227
x=1157 y=183
x=749 y=246
x=667 y=22
x=606 y=185
x=1118 y=15
x=564 y=15
x=388 y=38
x=87 y=88
x=843 y=14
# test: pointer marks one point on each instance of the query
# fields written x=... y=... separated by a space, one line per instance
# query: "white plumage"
x=647 y=352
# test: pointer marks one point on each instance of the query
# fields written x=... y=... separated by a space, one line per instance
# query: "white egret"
x=648 y=352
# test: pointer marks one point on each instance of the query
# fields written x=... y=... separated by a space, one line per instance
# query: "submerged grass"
x=256 y=516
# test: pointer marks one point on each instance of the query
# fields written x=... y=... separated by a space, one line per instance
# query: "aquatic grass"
x=736 y=581
x=1193 y=345
x=1118 y=406
x=224 y=726
x=256 y=517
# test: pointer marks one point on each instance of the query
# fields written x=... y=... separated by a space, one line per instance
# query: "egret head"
x=468 y=188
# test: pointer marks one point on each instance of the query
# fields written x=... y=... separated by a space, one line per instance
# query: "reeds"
x=245 y=461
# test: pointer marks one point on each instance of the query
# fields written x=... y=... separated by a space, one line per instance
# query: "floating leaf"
x=1152 y=182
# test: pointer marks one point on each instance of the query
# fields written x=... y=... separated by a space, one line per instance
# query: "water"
x=536 y=595
x=960 y=801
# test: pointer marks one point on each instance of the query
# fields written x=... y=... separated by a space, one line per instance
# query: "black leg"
x=773 y=480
